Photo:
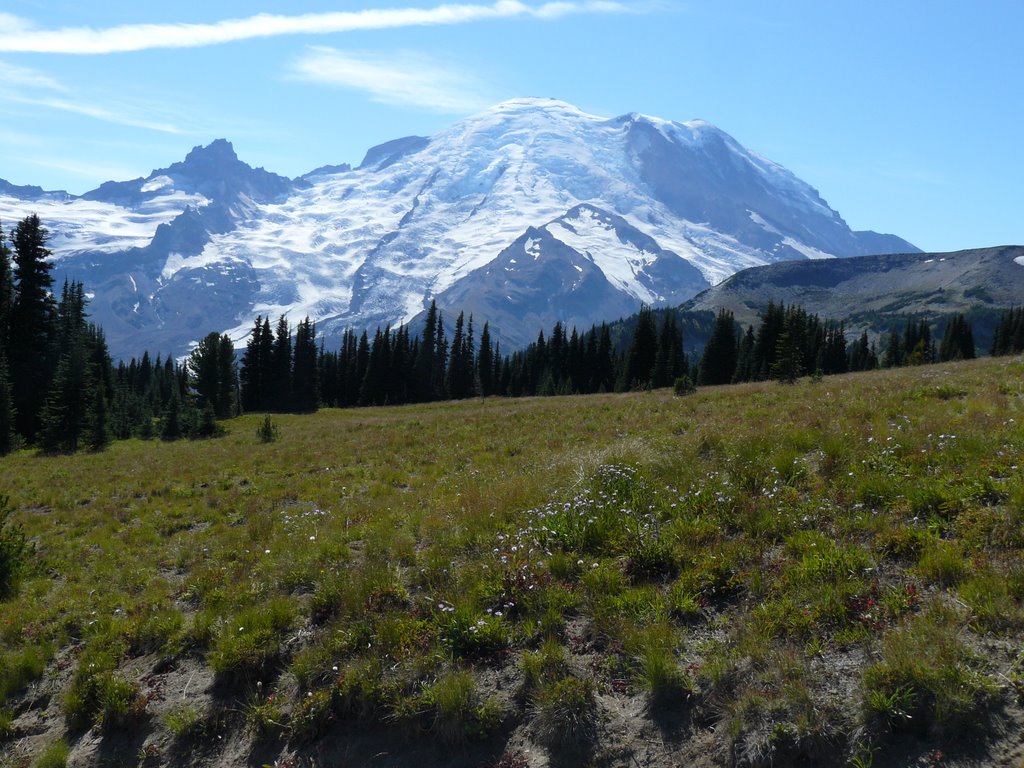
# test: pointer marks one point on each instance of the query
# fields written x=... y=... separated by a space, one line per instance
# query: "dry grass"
x=728 y=548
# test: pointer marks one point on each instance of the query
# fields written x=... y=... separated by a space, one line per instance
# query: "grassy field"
x=826 y=573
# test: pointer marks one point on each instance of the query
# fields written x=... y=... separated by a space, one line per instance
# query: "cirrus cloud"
x=402 y=78
x=20 y=36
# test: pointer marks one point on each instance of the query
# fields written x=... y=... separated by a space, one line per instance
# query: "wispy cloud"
x=20 y=36
x=30 y=87
x=402 y=78
x=89 y=171
x=117 y=117
x=24 y=77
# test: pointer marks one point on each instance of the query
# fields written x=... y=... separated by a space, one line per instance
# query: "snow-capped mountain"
x=525 y=214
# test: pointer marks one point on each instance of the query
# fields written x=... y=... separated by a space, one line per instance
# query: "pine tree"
x=6 y=291
x=97 y=435
x=957 y=340
x=254 y=374
x=643 y=350
x=32 y=324
x=425 y=357
x=893 y=355
x=718 y=363
x=63 y=415
x=485 y=363
x=788 y=364
x=305 y=373
x=745 y=362
x=280 y=398
x=6 y=408
x=170 y=428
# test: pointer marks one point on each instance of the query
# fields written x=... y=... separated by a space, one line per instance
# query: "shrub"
x=184 y=721
x=545 y=665
x=19 y=668
x=943 y=563
x=97 y=696
x=927 y=678
x=661 y=676
x=54 y=756
x=565 y=713
x=251 y=640
x=15 y=552
x=267 y=432
x=457 y=714
x=683 y=386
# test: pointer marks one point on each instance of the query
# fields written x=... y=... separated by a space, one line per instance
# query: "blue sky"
x=907 y=116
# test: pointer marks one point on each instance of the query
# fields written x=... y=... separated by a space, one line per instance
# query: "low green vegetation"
x=795 y=573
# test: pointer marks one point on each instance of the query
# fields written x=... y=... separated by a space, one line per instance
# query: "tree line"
x=60 y=391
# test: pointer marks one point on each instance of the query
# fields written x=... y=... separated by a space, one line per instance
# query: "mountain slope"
x=874 y=292
x=620 y=211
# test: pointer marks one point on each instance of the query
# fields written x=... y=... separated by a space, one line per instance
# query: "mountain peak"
x=217 y=151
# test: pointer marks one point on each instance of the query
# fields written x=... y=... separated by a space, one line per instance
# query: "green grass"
x=726 y=549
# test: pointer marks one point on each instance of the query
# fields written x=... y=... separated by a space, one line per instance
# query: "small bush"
x=543 y=666
x=683 y=386
x=19 y=668
x=661 y=676
x=99 y=697
x=265 y=715
x=457 y=714
x=54 y=756
x=469 y=635
x=565 y=713
x=267 y=432
x=943 y=563
x=15 y=552
x=184 y=721
x=251 y=641
x=927 y=678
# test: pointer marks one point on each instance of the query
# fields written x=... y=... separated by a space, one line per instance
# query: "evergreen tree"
x=97 y=434
x=171 y=428
x=305 y=373
x=212 y=374
x=32 y=324
x=766 y=343
x=788 y=364
x=957 y=340
x=255 y=374
x=6 y=408
x=643 y=350
x=746 y=364
x=485 y=363
x=718 y=363
x=459 y=381
x=426 y=357
x=893 y=355
x=280 y=398
x=1008 y=338
x=64 y=412
x=6 y=291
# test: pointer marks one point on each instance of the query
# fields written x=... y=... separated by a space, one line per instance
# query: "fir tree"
x=305 y=373
x=6 y=291
x=746 y=365
x=6 y=409
x=485 y=363
x=32 y=324
x=426 y=357
x=643 y=350
x=957 y=340
x=170 y=428
x=718 y=363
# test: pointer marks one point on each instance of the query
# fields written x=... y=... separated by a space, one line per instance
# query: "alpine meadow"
x=511 y=384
